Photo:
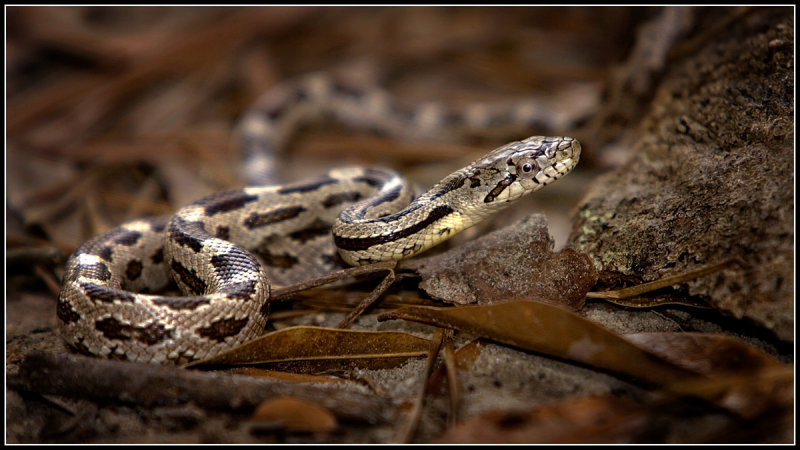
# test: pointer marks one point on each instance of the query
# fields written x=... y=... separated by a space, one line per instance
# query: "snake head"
x=520 y=168
x=538 y=161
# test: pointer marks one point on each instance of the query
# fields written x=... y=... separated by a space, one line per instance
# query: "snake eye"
x=526 y=167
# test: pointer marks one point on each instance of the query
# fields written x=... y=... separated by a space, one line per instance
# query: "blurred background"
x=118 y=112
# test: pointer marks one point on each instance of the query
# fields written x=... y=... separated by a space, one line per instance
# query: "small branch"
x=410 y=426
x=452 y=377
x=343 y=274
x=149 y=384
x=665 y=281
x=369 y=300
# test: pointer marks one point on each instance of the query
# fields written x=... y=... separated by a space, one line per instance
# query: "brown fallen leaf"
x=576 y=420
x=294 y=415
x=741 y=378
x=766 y=392
x=321 y=348
x=709 y=354
x=516 y=261
x=765 y=416
x=550 y=330
x=653 y=419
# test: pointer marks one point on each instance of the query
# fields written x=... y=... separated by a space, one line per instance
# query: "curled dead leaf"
x=516 y=261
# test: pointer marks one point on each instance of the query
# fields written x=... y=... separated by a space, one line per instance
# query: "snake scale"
x=225 y=250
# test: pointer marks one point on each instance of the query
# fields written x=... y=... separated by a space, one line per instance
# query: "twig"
x=342 y=274
x=452 y=377
x=369 y=299
x=410 y=426
x=149 y=384
x=49 y=280
x=664 y=282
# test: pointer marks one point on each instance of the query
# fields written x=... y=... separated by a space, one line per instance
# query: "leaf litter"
x=721 y=370
x=84 y=102
x=317 y=348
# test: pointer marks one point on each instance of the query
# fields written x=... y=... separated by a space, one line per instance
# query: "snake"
x=225 y=252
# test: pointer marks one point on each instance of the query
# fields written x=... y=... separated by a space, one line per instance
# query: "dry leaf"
x=516 y=261
x=326 y=348
x=578 y=420
x=709 y=354
x=765 y=416
x=741 y=377
x=768 y=392
x=550 y=330
x=294 y=414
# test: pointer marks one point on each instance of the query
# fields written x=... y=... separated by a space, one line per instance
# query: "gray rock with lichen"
x=711 y=178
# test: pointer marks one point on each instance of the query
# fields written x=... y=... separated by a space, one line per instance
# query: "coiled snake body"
x=224 y=251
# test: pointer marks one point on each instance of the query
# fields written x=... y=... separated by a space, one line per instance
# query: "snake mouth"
x=569 y=149
x=569 y=153
x=576 y=150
